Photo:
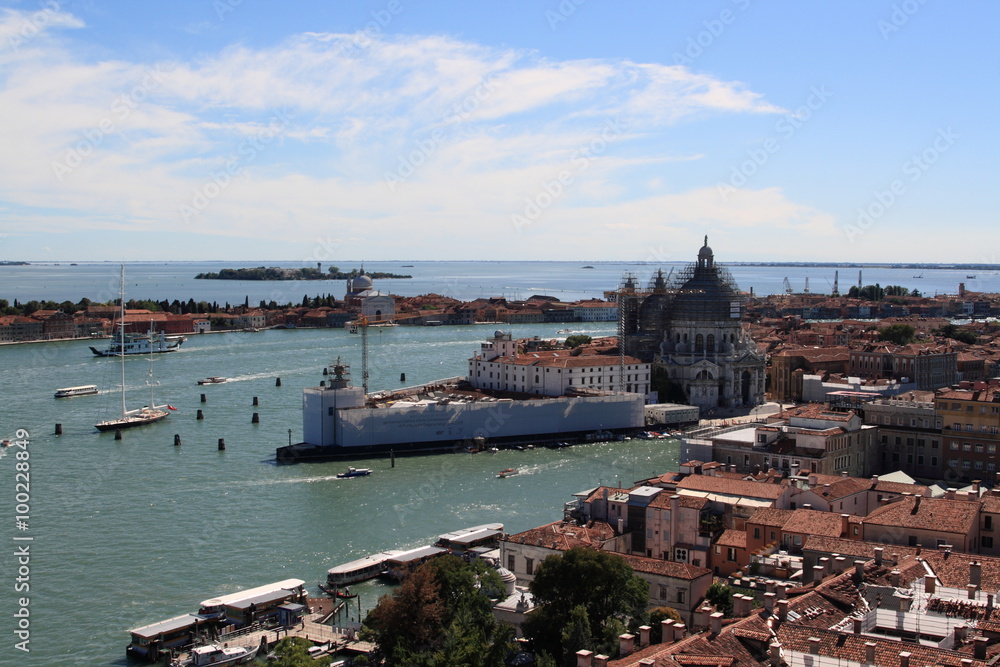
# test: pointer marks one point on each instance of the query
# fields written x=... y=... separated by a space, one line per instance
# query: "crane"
x=360 y=325
x=787 y=285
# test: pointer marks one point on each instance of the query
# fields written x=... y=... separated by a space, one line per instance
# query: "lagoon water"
x=460 y=280
x=131 y=532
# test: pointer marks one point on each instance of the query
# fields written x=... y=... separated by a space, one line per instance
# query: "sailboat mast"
x=121 y=329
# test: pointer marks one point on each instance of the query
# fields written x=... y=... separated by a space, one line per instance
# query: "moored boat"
x=368 y=567
x=214 y=655
x=83 y=390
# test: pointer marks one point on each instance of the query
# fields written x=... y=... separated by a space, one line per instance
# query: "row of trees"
x=878 y=293
x=304 y=273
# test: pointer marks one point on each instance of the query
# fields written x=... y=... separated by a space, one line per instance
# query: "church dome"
x=361 y=282
x=708 y=294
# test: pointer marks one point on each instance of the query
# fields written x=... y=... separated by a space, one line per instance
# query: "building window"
x=731 y=555
x=756 y=533
x=529 y=565
x=680 y=595
x=987 y=542
x=663 y=592
x=510 y=562
x=965 y=464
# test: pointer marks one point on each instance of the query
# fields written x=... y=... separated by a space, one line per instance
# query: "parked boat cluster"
x=202 y=639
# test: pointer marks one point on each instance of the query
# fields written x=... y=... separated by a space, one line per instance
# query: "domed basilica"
x=690 y=328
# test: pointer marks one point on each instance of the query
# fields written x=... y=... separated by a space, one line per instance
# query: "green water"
x=131 y=532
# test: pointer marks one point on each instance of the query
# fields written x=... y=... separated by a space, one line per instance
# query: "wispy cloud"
x=109 y=144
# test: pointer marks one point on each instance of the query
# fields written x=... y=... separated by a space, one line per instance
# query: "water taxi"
x=507 y=472
x=83 y=390
x=354 y=472
x=215 y=379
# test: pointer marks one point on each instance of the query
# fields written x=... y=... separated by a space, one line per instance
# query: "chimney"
x=975 y=573
x=701 y=617
x=870 y=652
x=916 y=505
x=814 y=645
x=813 y=480
x=878 y=556
x=771 y=585
x=647 y=662
x=782 y=610
x=950 y=493
x=769 y=602
x=972 y=588
x=584 y=658
x=989 y=604
x=716 y=623
x=839 y=564
x=894 y=578
x=818 y=573
x=859 y=571
x=601 y=660
x=667 y=631
x=782 y=591
x=980 y=648
x=845 y=525
x=856 y=622
x=625 y=644
x=930 y=584
x=807 y=506
x=967 y=662
x=843 y=474
x=741 y=605
x=959 y=634
x=904 y=658
x=679 y=630
x=644 y=636
x=905 y=603
x=775 y=654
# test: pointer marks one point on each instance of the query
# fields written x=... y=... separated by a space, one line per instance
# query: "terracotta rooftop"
x=734 y=487
x=666 y=568
x=769 y=516
x=937 y=514
x=814 y=522
x=563 y=535
x=733 y=538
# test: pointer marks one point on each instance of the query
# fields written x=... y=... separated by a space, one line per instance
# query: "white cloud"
x=128 y=145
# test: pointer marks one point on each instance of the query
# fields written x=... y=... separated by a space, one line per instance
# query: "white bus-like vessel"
x=83 y=390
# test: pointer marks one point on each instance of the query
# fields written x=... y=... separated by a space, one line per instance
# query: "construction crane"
x=360 y=325
x=788 y=286
x=807 y=285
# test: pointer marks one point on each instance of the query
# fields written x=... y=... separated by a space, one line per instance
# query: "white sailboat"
x=148 y=414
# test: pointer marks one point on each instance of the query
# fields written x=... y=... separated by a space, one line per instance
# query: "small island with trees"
x=305 y=273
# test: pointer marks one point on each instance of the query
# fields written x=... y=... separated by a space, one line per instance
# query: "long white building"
x=500 y=366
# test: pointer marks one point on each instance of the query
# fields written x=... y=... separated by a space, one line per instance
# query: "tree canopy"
x=900 y=334
x=576 y=340
x=587 y=599
x=442 y=615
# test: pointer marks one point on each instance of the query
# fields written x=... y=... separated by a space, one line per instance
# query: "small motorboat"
x=215 y=379
x=354 y=472
x=507 y=472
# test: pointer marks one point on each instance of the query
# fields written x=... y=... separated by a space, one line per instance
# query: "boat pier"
x=311 y=627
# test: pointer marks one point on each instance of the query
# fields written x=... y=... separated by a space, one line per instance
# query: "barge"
x=340 y=421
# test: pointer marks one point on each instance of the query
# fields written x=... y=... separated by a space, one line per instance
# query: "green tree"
x=442 y=615
x=667 y=389
x=900 y=334
x=614 y=597
x=576 y=340
x=294 y=652
x=961 y=334
x=721 y=597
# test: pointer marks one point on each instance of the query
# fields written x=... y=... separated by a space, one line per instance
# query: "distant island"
x=278 y=273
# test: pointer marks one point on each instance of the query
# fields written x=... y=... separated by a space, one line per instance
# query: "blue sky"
x=582 y=129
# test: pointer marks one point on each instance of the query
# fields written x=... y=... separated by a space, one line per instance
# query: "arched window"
x=710 y=343
x=699 y=343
